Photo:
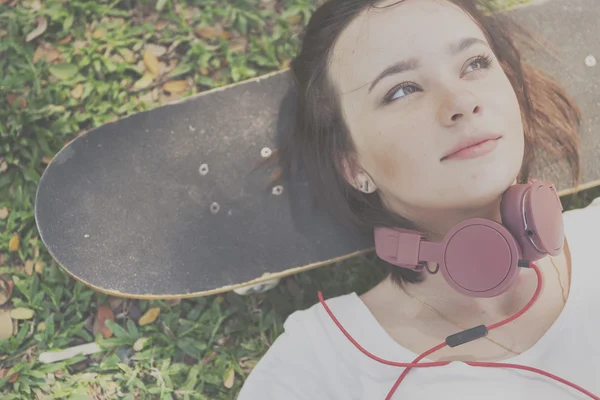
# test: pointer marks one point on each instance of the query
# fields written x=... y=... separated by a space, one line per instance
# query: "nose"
x=457 y=107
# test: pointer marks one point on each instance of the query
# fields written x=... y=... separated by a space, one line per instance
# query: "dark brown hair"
x=320 y=140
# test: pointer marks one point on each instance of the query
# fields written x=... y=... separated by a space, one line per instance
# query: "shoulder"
x=297 y=364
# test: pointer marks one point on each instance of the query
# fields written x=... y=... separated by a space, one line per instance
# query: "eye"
x=402 y=90
x=479 y=63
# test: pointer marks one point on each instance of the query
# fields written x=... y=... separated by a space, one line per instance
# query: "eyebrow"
x=413 y=63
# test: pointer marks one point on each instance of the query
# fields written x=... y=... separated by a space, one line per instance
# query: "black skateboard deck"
x=174 y=202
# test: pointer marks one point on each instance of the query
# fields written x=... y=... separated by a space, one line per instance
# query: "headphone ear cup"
x=532 y=212
x=481 y=258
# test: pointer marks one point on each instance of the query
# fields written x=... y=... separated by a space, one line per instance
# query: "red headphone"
x=481 y=258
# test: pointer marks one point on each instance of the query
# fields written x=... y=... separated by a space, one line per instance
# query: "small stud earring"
x=366 y=187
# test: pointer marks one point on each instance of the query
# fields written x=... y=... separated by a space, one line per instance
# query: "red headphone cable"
x=457 y=339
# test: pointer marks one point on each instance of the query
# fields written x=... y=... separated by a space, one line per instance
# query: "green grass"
x=93 y=72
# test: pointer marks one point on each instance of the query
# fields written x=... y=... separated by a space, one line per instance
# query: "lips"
x=470 y=147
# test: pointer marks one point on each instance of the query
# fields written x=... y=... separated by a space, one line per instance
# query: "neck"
x=436 y=292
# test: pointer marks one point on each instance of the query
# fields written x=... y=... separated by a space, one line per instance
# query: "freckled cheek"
x=385 y=161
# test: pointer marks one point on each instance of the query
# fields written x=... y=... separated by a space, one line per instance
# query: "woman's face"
x=417 y=81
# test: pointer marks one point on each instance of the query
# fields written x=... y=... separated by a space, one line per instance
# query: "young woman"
x=389 y=92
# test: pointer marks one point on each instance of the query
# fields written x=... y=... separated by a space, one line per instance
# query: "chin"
x=486 y=186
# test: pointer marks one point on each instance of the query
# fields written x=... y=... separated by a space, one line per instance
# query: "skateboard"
x=176 y=202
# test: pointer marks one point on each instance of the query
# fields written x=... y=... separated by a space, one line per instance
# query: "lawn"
x=69 y=66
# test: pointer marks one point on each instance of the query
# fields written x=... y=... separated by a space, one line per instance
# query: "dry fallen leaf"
x=11 y=98
x=175 y=86
x=294 y=19
x=6 y=325
x=151 y=62
x=144 y=81
x=160 y=25
x=77 y=91
x=21 y=313
x=46 y=51
x=238 y=45
x=14 y=377
x=104 y=313
x=127 y=54
x=29 y=267
x=4 y=373
x=149 y=316
x=65 y=40
x=3 y=212
x=140 y=343
x=98 y=33
x=79 y=44
x=229 y=378
x=206 y=32
x=5 y=290
x=14 y=243
x=156 y=49
x=39 y=266
x=115 y=302
x=172 y=302
x=42 y=24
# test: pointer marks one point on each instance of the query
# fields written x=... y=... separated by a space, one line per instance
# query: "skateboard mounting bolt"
x=266 y=152
x=214 y=208
x=203 y=169
x=590 y=61
x=277 y=190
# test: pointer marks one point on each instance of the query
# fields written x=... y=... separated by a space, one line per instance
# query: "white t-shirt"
x=313 y=360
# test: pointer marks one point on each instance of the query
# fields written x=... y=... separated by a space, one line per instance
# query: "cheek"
x=393 y=159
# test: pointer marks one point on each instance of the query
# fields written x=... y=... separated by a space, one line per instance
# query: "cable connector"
x=469 y=335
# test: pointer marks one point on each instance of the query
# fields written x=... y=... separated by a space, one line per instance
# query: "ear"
x=357 y=178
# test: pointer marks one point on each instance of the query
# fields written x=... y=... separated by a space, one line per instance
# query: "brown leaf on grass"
x=65 y=40
x=29 y=267
x=207 y=32
x=79 y=44
x=229 y=378
x=5 y=290
x=13 y=244
x=160 y=25
x=6 y=325
x=12 y=97
x=4 y=374
x=144 y=81
x=39 y=266
x=175 y=86
x=77 y=91
x=46 y=51
x=172 y=302
x=42 y=25
x=115 y=302
x=21 y=313
x=294 y=19
x=151 y=62
x=238 y=45
x=98 y=33
x=156 y=49
x=104 y=313
x=46 y=160
x=127 y=54
x=149 y=316
x=3 y=212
